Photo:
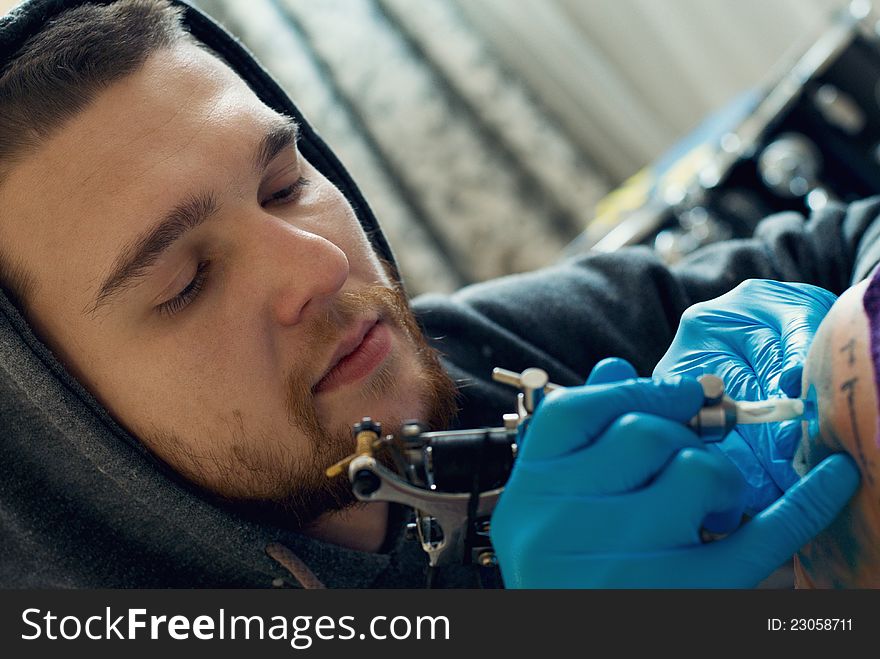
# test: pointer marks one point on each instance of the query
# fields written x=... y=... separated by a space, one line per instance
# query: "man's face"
x=210 y=336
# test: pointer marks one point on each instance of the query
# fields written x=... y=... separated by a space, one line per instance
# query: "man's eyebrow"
x=142 y=253
x=282 y=134
x=139 y=255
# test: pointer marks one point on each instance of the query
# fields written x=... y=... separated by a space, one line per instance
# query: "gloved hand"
x=755 y=338
x=610 y=490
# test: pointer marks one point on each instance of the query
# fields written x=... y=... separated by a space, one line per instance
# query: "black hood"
x=82 y=504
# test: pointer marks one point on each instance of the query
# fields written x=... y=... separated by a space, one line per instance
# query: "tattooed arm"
x=841 y=374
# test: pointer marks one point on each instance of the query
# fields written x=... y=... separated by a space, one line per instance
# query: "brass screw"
x=367 y=442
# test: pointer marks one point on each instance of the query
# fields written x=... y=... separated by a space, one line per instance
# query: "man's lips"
x=357 y=355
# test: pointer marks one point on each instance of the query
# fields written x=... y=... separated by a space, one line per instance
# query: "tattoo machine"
x=720 y=413
x=452 y=479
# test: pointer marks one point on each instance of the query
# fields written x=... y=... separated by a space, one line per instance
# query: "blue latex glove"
x=610 y=490
x=755 y=338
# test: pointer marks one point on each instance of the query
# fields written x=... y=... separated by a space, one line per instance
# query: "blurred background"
x=484 y=133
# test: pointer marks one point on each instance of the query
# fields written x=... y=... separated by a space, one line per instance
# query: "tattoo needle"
x=774 y=410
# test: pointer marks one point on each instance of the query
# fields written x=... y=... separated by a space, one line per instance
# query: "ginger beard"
x=264 y=477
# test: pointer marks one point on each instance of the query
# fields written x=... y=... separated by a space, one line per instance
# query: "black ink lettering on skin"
x=832 y=558
x=850 y=347
x=849 y=387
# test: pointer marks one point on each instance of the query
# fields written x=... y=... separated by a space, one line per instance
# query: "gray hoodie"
x=83 y=504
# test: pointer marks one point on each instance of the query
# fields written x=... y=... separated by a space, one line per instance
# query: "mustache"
x=327 y=329
x=351 y=306
x=300 y=492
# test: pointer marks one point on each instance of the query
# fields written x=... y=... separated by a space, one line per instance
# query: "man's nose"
x=303 y=268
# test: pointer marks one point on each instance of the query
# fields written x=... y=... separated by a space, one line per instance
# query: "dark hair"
x=60 y=70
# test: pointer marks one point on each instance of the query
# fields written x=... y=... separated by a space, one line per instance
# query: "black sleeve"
x=566 y=317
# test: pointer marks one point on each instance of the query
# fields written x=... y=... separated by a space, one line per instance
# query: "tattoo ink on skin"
x=828 y=563
x=815 y=447
x=850 y=347
x=838 y=556
x=849 y=388
x=835 y=554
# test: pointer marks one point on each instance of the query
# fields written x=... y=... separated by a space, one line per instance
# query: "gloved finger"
x=761 y=349
x=612 y=369
x=738 y=375
x=634 y=449
x=781 y=468
x=741 y=379
x=800 y=326
x=799 y=515
x=726 y=521
x=696 y=483
x=791 y=379
x=729 y=520
x=572 y=418
x=781 y=443
x=762 y=490
x=768 y=462
x=624 y=458
x=770 y=302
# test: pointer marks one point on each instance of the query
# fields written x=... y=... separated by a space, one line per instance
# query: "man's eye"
x=289 y=194
x=188 y=294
